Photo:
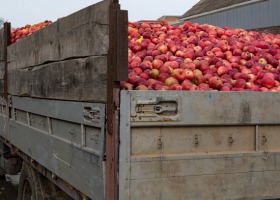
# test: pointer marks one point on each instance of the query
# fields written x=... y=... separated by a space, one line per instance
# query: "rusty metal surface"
x=117 y=71
x=111 y=162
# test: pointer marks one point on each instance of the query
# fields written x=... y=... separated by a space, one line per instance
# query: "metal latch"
x=91 y=114
x=164 y=108
x=155 y=109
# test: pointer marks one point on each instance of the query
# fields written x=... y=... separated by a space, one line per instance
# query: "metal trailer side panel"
x=4 y=121
x=199 y=145
x=65 y=137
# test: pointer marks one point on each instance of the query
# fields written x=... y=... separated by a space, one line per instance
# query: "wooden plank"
x=1 y=86
x=122 y=46
x=2 y=44
x=2 y=69
x=2 y=72
x=6 y=42
x=82 y=79
x=81 y=34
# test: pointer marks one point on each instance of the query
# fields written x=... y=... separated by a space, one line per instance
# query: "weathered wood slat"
x=1 y=44
x=2 y=69
x=81 y=34
x=83 y=79
x=1 y=86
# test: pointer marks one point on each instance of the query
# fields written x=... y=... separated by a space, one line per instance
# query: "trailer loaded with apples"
x=84 y=115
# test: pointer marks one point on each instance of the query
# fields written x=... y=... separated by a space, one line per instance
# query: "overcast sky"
x=22 y=12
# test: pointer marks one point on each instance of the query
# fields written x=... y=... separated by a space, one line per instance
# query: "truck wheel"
x=29 y=187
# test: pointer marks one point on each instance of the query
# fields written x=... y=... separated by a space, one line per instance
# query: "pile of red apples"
x=201 y=57
x=23 y=32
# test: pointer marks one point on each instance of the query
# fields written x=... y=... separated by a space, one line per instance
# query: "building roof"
x=210 y=5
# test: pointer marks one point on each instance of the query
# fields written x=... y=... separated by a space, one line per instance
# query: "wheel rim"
x=27 y=191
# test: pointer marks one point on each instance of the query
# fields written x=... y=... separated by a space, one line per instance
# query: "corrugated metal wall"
x=257 y=15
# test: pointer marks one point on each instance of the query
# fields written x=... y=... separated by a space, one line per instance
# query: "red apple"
x=240 y=83
x=157 y=64
x=189 y=74
x=268 y=82
x=163 y=76
x=186 y=84
x=222 y=70
x=216 y=83
x=176 y=86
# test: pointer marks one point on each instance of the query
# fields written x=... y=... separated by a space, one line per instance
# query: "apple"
x=157 y=64
x=216 y=83
x=144 y=75
x=179 y=74
x=163 y=76
x=176 y=86
x=141 y=87
x=154 y=73
x=189 y=74
x=268 y=82
x=186 y=84
x=240 y=83
x=126 y=86
x=203 y=87
x=163 y=49
x=137 y=70
x=171 y=81
x=262 y=61
x=132 y=78
x=198 y=79
x=174 y=64
x=222 y=70
x=166 y=69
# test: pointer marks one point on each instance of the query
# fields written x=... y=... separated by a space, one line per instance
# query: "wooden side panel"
x=1 y=86
x=2 y=63
x=82 y=79
x=5 y=34
x=2 y=69
x=2 y=44
x=38 y=48
x=84 y=33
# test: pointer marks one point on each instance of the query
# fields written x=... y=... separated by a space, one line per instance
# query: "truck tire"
x=34 y=186
x=29 y=187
